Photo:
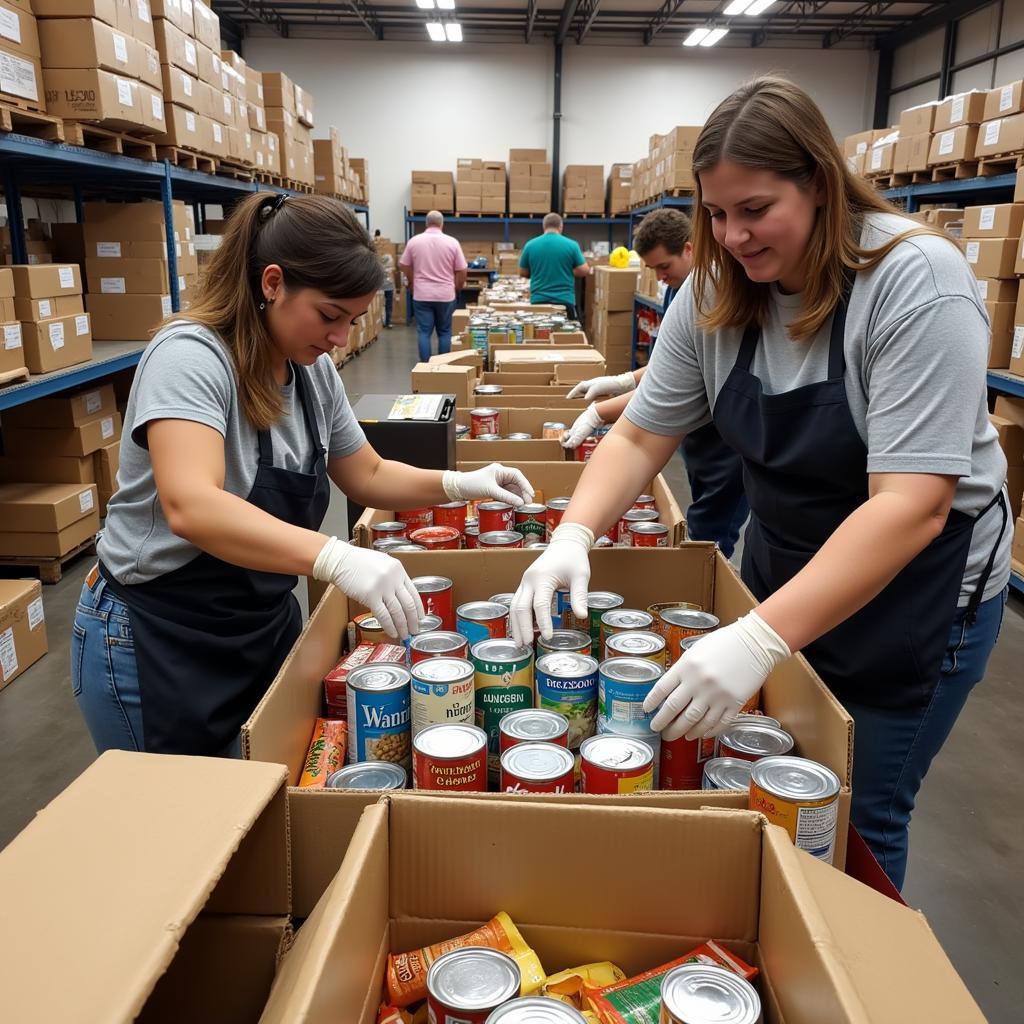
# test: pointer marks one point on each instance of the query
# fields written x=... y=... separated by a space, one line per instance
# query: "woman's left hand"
x=495 y=482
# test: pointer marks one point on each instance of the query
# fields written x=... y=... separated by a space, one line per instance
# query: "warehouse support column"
x=556 y=142
x=172 y=254
x=15 y=220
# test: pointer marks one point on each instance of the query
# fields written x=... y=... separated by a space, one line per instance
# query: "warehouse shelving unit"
x=57 y=170
x=452 y=220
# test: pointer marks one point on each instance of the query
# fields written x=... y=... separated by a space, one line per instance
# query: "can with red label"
x=631 y=516
x=415 y=518
x=495 y=515
x=537 y=768
x=451 y=513
x=389 y=530
x=482 y=620
x=531 y=520
x=648 y=535
x=586 y=448
x=484 y=421
x=466 y=985
x=506 y=539
x=437 y=595
x=532 y=725
x=438 y=643
x=437 y=538
x=645 y=501
x=555 y=510
x=682 y=762
x=552 y=429
x=616 y=764
x=450 y=757
x=471 y=538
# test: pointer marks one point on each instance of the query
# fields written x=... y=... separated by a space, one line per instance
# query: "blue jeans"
x=389 y=305
x=893 y=749
x=104 y=673
x=719 y=507
x=431 y=316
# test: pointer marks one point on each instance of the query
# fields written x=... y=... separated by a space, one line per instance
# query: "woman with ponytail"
x=236 y=427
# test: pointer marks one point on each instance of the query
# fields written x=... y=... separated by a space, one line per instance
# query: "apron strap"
x=837 y=334
x=304 y=387
x=979 y=591
x=747 y=346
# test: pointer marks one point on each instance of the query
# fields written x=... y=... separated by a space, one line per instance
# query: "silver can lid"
x=399 y=548
x=567 y=664
x=439 y=641
x=640 y=515
x=728 y=772
x=520 y=436
x=431 y=584
x=488 y=437
x=759 y=739
x=559 y=504
x=689 y=619
x=636 y=644
x=598 y=599
x=488 y=389
x=481 y=611
x=536 y=725
x=619 y=753
x=795 y=778
x=387 y=544
x=631 y=670
x=648 y=528
x=486 y=411
x=627 y=618
x=497 y=649
x=473 y=978
x=553 y=424
x=379 y=677
x=368 y=775
x=500 y=538
x=537 y=762
x=505 y=599
x=536 y=1010
x=493 y=506
x=566 y=640
x=430 y=623
x=449 y=740
x=644 y=499
x=392 y=525
x=370 y=622
x=532 y=509
x=442 y=670
x=705 y=994
x=752 y=716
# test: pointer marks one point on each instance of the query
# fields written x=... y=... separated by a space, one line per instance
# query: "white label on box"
x=248 y=140
x=93 y=402
x=216 y=66
x=190 y=53
x=177 y=249
x=983 y=288
x=17 y=76
x=956 y=109
x=8 y=655
x=158 y=108
x=109 y=250
x=45 y=309
x=190 y=121
x=36 y=615
x=186 y=84
x=259 y=93
x=120 y=48
x=291 y=164
x=124 y=92
x=992 y=132
x=218 y=136
x=112 y=285
x=10 y=25
x=225 y=79
x=862 y=147
x=1018 y=342
x=973 y=248
x=191 y=248
x=259 y=157
x=986 y=218
x=1005 y=98
x=227 y=105
x=259 y=118
x=12 y=336
x=82 y=325
x=181 y=283
x=107 y=427
x=142 y=10
x=288 y=119
x=165 y=305
x=57 y=335
x=876 y=158
x=188 y=233
x=85 y=502
x=946 y=140
x=66 y=276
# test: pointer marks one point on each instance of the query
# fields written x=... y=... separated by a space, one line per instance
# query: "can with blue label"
x=623 y=685
x=482 y=620
x=379 y=714
x=567 y=684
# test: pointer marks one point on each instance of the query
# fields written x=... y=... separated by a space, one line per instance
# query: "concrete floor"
x=968 y=832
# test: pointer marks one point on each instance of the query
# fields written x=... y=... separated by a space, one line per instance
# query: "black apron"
x=805 y=471
x=210 y=636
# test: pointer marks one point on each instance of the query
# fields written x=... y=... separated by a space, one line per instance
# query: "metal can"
x=505 y=599
x=658 y=607
x=488 y=389
x=507 y=540
x=495 y=516
x=751 y=740
x=567 y=684
x=482 y=620
x=471 y=538
x=678 y=624
x=565 y=640
x=599 y=602
x=537 y=768
x=800 y=795
x=648 y=535
x=369 y=630
x=726 y=773
x=461 y=431
x=377 y=775
x=531 y=520
x=488 y=437
x=388 y=544
x=378 y=713
x=552 y=429
x=400 y=548
x=756 y=716
x=622 y=686
x=442 y=693
x=631 y=516
x=707 y=994
x=438 y=643
x=451 y=513
x=555 y=509
x=450 y=757
x=415 y=518
x=437 y=538
x=638 y=644
x=428 y=624
x=646 y=501
x=682 y=761
x=438 y=599
x=465 y=985
x=616 y=764
x=504 y=683
x=532 y=725
x=389 y=530
x=624 y=620
x=536 y=1010
x=520 y=435
x=483 y=421
x=586 y=448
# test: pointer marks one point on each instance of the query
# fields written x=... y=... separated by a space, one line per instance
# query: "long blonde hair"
x=771 y=124
x=317 y=242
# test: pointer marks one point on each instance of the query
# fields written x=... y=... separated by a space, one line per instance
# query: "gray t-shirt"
x=186 y=373
x=916 y=345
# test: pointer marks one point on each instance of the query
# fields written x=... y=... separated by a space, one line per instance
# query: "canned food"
x=568 y=640
x=483 y=421
x=520 y=436
x=437 y=644
x=531 y=520
x=646 y=501
x=682 y=762
x=379 y=775
x=639 y=644
x=442 y=692
x=622 y=686
x=450 y=757
x=400 y=548
x=756 y=716
x=504 y=683
x=631 y=516
x=472 y=535
x=488 y=389
x=800 y=795
x=536 y=1010
x=552 y=429
x=586 y=448
x=428 y=624
x=369 y=629
x=751 y=740
x=624 y=620
x=465 y=985
x=604 y=542
x=567 y=684
x=437 y=538
x=726 y=773
x=389 y=530
x=437 y=595
x=532 y=725
x=561 y=611
x=414 y=518
x=505 y=599
x=648 y=535
x=616 y=764
x=507 y=540
x=388 y=544
x=495 y=516
x=657 y=608
x=378 y=713
x=451 y=513
x=488 y=437
x=707 y=994
x=482 y=620
x=555 y=509
x=461 y=431
x=537 y=768
x=678 y=624
x=598 y=602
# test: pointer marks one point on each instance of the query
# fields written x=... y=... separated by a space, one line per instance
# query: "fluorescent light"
x=757 y=7
x=738 y=7
x=713 y=36
x=454 y=30
x=425 y=5
x=446 y=5
x=436 y=31
x=695 y=37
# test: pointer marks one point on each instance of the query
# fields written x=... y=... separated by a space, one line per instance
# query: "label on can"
x=482 y=621
x=682 y=762
x=567 y=685
x=442 y=693
x=451 y=758
x=623 y=685
x=531 y=520
x=504 y=683
x=379 y=717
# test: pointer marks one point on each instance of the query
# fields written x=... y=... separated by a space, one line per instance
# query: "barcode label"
x=12 y=337
x=987 y=218
x=45 y=309
x=109 y=250
x=165 y=305
x=36 y=615
x=66 y=276
x=992 y=132
x=85 y=501
x=10 y=25
x=82 y=326
x=124 y=92
x=973 y=249
x=8 y=655
x=946 y=140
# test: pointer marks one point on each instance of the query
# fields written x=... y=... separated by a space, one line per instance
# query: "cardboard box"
x=1011 y=438
x=44 y=508
x=72 y=469
x=1000 y=290
x=22 y=627
x=43 y=282
x=537 y=450
x=48 y=441
x=1002 y=221
x=966 y=108
x=207 y=25
x=911 y=153
x=22 y=80
x=88 y=43
x=1017 y=552
x=132 y=276
x=441 y=379
x=12 y=351
x=127 y=317
x=953 y=145
x=65 y=410
x=1001 y=319
x=1003 y=135
x=175 y=47
x=527 y=156
x=107 y=460
x=918 y=120
x=87 y=94
x=56 y=343
x=879 y=158
x=45 y=309
x=111 y=224
x=991 y=257
x=1004 y=100
x=278 y=91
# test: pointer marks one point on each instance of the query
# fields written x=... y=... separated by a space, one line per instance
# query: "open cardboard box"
x=588 y=361
x=532 y=399
x=280 y=727
x=541 y=449
x=154 y=888
x=515 y=420
x=829 y=949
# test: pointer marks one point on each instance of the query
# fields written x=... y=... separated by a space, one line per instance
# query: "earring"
x=263 y=306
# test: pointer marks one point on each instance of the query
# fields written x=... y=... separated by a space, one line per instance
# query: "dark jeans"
x=389 y=305
x=431 y=316
x=894 y=749
x=719 y=507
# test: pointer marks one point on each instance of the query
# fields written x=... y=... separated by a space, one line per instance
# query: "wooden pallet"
x=991 y=165
x=955 y=172
x=298 y=186
x=186 y=158
x=28 y=122
x=92 y=136
x=678 y=193
x=239 y=172
x=587 y=216
x=15 y=376
x=265 y=178
x=50 y=569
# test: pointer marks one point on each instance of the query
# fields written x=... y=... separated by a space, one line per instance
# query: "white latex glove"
x=374 y=579
x=497 y=482
x=585 y=424
x=604 y=387
x=705 y=689
x=564 y=563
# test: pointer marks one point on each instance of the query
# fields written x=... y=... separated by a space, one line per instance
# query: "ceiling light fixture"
x=436 y=31
x=738 y=7
x=454 y=31
x=446 y=5
x=425 y=5
x=695 y=37
x=758 y=7
x=713 y=36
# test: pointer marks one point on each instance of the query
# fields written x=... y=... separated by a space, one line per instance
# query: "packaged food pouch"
x=576 y=985
x=326 y=752
x=407 y=972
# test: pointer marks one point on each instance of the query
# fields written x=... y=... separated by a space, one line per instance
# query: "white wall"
x=411 y=105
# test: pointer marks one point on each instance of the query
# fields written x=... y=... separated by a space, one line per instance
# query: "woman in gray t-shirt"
x=841 y=351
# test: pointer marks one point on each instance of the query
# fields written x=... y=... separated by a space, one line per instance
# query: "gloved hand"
x=585 y=424
x=374 y=579
x=604 y=387
x=496 y=482
x=563 y=563
x=705 y=689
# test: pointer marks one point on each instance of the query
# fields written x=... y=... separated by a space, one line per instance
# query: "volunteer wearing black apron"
x=841 y=350
x=236 y=426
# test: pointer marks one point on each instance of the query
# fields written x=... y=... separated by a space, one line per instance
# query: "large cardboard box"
x=66 y=410
x=1003 y=135
x=22 y=80
x=56 y=343
x=22 y=627
x=127 y=317
x=539 y=449
x=991 y=257
x=88 y=94
x=46 y=440
x=46 y=309
x=66 y=469
x=1004 y=100
x=46 y=508
x=176 y=47
x=911 y=153
x=1003 y=220
x=953 y=144
x=109 y=225
x=18 y=30
x=441 y=379
x=966 y=108
x=89 y=43
x=918 y=120
x=132 y=275
x=46 y=281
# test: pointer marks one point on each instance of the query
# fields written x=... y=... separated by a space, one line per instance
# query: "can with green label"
x=504 y=683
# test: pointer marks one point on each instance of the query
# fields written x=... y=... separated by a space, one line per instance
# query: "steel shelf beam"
x=1006 y=383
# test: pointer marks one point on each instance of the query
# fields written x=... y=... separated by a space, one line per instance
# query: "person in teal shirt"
x=552 y=262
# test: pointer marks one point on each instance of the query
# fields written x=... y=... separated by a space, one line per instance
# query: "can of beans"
x=437 y=538
x=537 y=768
x=552 y=429
x=532 y=725
x=616 y=764
x=378 y=713
x=648 y=535
x=726 y=773
x=622 y=686
x=631 y=516
x=438 y=599
x=555 y=509
x=483 y=421
x=437 y=644
x=451 y=513
x=682 y=762
x=494 y=516
x=377 y=775
x=451 y=757
x=750 y=740
x=504 y=683
x=567 y=685
x=624 y=620
x=471 y=537
x=565 y=640
x=586 y=448
x=646 y=501
x=531 y=520
x=507 y=540
x=698 y=993
x=679 y=624
x=414 y=518
x=482 y=620
x=639 y=644
x=387 y=531
x=442 y=693
x=465 y=985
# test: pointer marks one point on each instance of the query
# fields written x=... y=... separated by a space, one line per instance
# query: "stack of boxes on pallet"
x=432 y=190
x=55 y=328
x=21 y=84
x=480 y=187
x=282 y=100
x=620 y=188
x=334 y=173
x=668 y=166
x=529 y=181
x=614 y=289
x=583 y=189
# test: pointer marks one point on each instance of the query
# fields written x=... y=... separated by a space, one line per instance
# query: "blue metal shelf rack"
x=453 y=221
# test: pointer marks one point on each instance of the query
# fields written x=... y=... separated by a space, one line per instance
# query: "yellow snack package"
x=573 y=986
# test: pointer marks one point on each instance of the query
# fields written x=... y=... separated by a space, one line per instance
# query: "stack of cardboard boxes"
x=620 y=186
x=335 y=173
x=12 y=350
x=508 y=258
x=233 y=114
x=614 y=289
x=359 y=180
x=22 y=81
x=266 y=154
x=38 y=248
x=432 y=190
x=55 y=329
x=583 y=189
x=480 y=186
x=529 y=181
x=668 y=166
x=1002 y=131
x=293 y=134
x=22 y=627
x=956 y=129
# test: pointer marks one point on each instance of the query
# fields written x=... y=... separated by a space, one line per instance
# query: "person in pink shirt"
x=435 y=269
